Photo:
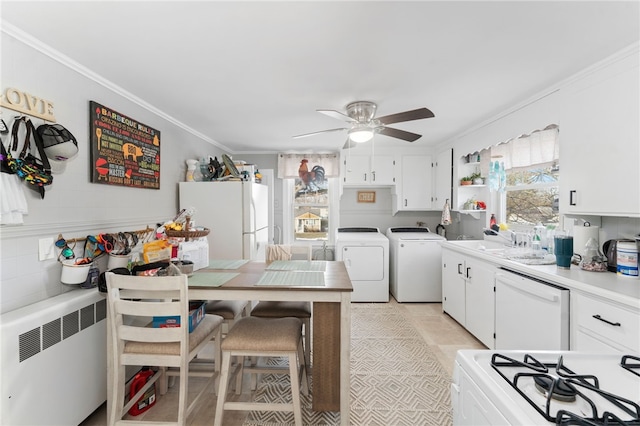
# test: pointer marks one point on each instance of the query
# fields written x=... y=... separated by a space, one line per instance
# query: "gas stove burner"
x=563 y=397
x=633 y=367
x=560 y=390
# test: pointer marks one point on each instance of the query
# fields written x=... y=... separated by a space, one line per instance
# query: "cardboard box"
x=196 y=314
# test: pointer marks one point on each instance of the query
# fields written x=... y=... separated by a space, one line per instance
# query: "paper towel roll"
x=581 y=235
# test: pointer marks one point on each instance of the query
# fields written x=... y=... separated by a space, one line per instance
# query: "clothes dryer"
x=415 y=264
x=365 y=253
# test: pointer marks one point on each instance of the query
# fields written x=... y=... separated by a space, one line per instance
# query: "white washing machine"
x=365 y=252
x=415 y=271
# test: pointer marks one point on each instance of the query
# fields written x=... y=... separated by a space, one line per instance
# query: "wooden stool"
x=269 y=337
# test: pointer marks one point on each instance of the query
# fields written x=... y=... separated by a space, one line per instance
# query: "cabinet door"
x=599 y=149
x=453 y=285
x=416 y=183
x=382 y=170
x=443 y=176
x=356 y=170
x=480 y=313
x=364 y=170
x=598 y=324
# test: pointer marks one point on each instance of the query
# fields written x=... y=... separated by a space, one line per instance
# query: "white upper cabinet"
x=600 y=141
x=442 y=179
x=414 y=193
x=365 y=170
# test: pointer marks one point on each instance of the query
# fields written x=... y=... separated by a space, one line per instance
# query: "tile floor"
x=442 y=334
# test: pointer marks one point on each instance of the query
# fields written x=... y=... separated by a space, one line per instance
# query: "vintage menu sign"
x=123 y=151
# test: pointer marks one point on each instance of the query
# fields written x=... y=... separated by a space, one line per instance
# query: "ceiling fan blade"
x=416 y=114
x=400 y=134
x=317 y=133
x=337 y=114
x=349 y=144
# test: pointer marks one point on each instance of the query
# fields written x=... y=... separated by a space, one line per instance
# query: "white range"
x=512 y=388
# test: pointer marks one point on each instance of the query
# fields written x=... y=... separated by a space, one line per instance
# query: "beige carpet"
x=395 y=378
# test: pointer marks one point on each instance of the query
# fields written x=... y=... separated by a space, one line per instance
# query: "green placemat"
x=292 y=278
x=211 y=279
x=297 y=265
x=226 y=264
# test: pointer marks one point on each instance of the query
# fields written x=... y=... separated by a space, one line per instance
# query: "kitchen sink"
x=520 y=255
x=482 y=245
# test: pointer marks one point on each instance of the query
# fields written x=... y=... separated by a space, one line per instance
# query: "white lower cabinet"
x=468 y=294
x=480 y=292
x=602 y=325
x=453 y=285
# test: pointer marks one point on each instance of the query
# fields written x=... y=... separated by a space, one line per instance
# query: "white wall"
x=73 y=206
x=379 y=214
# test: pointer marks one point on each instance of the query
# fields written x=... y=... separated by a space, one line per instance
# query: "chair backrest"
x=287 y=252
x=133 y=301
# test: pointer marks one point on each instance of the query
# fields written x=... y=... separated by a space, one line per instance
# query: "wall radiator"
x=54 y=360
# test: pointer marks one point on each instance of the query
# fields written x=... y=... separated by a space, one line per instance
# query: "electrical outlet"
x=45 y=249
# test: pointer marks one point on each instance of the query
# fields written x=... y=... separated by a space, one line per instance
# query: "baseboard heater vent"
x=54 y=360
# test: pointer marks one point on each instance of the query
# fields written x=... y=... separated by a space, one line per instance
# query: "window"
x=526 y=171
x=311 y=207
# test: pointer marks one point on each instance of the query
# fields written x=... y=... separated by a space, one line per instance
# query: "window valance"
x=289 y=164
x=540 y=147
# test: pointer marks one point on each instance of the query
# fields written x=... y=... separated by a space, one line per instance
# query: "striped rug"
x=395 y=378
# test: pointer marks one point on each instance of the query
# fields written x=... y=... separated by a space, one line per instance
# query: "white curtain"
x=540 y=147
x=288 y=164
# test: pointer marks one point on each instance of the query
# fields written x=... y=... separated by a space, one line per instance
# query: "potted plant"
x=477 y=179
x=467 y=180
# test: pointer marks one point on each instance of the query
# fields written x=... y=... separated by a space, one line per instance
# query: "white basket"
x=74 y=274
x=118 y=261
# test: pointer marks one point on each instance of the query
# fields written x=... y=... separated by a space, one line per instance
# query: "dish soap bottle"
x=492 y=221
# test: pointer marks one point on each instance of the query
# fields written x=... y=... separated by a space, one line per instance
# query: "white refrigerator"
x=236 y=213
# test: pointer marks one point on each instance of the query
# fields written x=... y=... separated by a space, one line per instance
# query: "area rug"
x=395 y=378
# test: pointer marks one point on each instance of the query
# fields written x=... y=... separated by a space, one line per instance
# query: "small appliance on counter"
x=609 y=249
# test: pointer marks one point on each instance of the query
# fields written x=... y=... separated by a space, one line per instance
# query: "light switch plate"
x=45 y=249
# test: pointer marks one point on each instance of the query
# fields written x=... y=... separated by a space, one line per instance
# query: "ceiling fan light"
x=360 y=135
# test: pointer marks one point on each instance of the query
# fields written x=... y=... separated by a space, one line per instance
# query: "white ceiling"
x=250 y=75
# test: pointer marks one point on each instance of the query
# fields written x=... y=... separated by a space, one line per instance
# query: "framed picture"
x=124 y=151
x=366 y=196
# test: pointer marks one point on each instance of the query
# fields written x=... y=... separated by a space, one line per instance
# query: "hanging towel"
x=446 y=214
x=278 y=252
x=13 y=204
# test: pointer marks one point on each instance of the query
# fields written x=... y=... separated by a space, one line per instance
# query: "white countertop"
x=608 y=285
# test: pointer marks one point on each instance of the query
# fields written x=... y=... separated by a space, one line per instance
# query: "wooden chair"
x=132 y=303
x=276 y=309
x=263 y=337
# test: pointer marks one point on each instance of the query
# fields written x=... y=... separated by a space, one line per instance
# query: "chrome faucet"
x=511 y=238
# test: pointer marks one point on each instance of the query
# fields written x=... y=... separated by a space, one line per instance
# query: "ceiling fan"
x=361 y=116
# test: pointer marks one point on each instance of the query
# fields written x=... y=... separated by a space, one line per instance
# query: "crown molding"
x=57 y=56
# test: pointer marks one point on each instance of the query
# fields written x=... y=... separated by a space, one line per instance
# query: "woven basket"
x=187 y=234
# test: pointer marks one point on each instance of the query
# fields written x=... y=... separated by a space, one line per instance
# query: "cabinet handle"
x=468 y=269
x=599 y=318
x=365 y=177
x=373 y=176
x=405 y=202
x=459 y=266
x=571 y=194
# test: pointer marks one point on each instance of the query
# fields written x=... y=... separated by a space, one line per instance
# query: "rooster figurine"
x=312 y=177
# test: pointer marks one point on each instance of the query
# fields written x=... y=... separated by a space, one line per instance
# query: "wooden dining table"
x=325 y=284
